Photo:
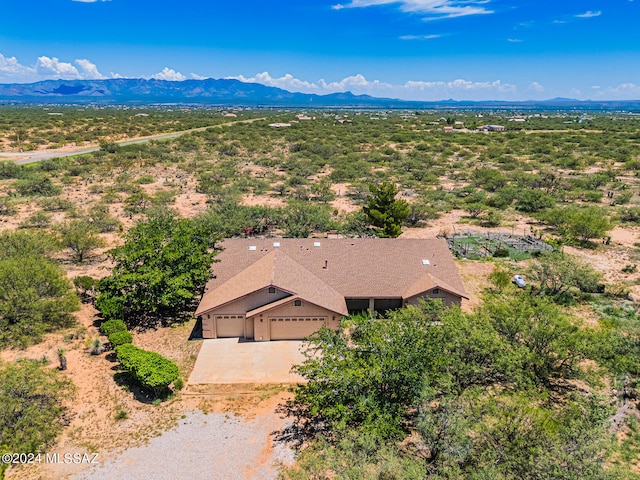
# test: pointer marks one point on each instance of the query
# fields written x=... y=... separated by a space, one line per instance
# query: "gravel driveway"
x=202 y=446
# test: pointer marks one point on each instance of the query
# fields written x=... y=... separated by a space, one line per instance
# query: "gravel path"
x=212 y=446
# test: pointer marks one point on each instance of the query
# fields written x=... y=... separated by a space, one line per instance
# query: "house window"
x=297 y=303
x=272 y=290
x=435 y=291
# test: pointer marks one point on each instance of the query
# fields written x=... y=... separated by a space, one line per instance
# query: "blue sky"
x=411 y=49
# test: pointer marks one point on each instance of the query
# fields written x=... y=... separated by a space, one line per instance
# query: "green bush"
x=126 y=355
x=150 y=369
x=112 y=326
x=120 y=338
x=145 y=179
x=37 y=186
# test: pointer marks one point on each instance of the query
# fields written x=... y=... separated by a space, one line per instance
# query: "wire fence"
x=475 y=245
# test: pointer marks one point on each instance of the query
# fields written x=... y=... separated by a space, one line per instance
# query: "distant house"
x=491 y=128
x=280 y=289
x=447 y=129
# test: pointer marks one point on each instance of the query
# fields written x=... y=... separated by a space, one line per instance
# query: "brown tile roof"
x=365 y=268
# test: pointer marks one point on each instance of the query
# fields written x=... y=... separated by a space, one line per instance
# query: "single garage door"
x=229 y=326
x=294 y=328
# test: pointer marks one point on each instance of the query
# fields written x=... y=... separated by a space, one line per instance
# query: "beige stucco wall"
x=249 y=302
x=447 y=298
x=240 y=307
x=262 y=325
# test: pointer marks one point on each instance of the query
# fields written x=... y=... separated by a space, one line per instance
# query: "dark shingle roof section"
x=325 y=269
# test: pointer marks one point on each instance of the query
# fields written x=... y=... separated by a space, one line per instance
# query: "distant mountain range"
x=233 y=92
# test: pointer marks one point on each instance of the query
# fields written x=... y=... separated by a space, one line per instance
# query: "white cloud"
x=48 y=68
x=90 y=1
x=414 y=90
x=169 y=74
x=589 y=14
x=463 y=87
x=623 y=91
x=419 y=37
x=195 y=76
x=433 y=9
x=88 y=70
x=12 y=71
x=514 y=40
x=52 y=67
x=337 y=6
x=536 y=87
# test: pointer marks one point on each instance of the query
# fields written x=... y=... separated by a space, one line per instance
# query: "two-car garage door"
x=294 y=328
x=282 y=328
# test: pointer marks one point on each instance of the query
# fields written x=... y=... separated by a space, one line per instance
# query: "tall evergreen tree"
x=384 y=211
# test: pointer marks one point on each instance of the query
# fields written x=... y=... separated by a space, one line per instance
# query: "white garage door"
x=294 y=328
x=229 y=326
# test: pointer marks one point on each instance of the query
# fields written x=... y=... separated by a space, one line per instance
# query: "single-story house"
x=287 y=288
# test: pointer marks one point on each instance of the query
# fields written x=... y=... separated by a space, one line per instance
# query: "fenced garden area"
x=475 y=245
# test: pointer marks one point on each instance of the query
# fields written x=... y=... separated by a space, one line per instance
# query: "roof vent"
x=426 y=262
x=252 y=248
x=276 y=244
x=316 y=244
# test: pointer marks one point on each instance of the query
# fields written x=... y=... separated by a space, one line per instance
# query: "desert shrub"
x=629 y=215
x=35 y=298
x=120 y=338
x=112 y=326
x=10 y=170
x=37 y=186
x=101 y=220
x=85 y=285
x=80 y=237
x=94 y=345
x=55 y=204
x=145 y=179
x=31 y=405
x=7 y=207
x=37 y=220
x=530 y=201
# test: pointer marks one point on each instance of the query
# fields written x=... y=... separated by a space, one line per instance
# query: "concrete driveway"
x=227 y=360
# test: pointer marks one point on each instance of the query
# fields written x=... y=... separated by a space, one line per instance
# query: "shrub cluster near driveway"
x=151 y=369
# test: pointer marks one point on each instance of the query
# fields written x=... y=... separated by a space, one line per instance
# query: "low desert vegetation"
x=524 y=386
x=31 y=406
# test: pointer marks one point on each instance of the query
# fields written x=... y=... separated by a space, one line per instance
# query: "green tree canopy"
x=488 y=395
x=384 y=211
x=159 y=272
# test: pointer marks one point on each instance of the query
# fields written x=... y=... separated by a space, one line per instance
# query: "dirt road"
x=22 y=158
